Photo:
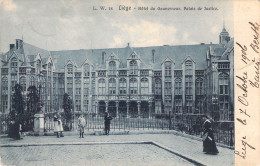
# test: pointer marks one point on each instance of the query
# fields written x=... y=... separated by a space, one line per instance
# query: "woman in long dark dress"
x=209 y=145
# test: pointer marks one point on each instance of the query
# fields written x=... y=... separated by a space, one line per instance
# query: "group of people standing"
x=209 y=145
x=58 y=129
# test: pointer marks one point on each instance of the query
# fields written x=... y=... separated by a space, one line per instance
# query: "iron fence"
x=189 y=124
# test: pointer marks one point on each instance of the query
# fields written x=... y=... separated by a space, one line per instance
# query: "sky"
x=73 y=24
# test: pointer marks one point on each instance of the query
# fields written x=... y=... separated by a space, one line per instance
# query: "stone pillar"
x=127 y=109
x=138 y=106
x=150 y=110
x=97 y=105
x=117 y=109
x=38 y=124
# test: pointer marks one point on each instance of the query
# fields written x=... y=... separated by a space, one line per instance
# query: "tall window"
x=32 y=81
x=78 y=86
x=101 y=86
x=133 y=86
x=4 y=85
x=112 y=86
x=86 y=70
x=188 y=85
x=158 y=86
x=199 y=86
x=70 y=86
x=112 y=68
x=223 y=91
x=14 y=63
x=168 y=88
x=133 y=68
x=144 y=86
x=189 y=104
x=23 y=83
x=93 y=86
x=13 y=81
x=178 y=105
x=188 y=67
x=70 y=68
x=168 y=68
x=122 y=86
x=177 y=84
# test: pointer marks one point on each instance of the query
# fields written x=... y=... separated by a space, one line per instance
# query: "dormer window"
x=168 y=68
x=14 y=63
x=70 y=68
x=188 y=67
x=112 y=68
x=133 y=68
x=86 y=70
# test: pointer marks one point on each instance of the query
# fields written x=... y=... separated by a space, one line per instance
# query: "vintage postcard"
x=129 y=82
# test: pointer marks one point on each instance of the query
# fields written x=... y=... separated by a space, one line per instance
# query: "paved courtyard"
x=114 y=154
x=109 y=150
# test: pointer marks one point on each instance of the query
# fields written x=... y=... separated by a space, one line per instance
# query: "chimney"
x=153 y=51
x=103 y=57
x=11 y=46
x=19 y=43
x=128 y=44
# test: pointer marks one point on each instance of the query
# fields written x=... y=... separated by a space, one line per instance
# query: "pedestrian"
x=81 y=125
x=56 y=125
x=60 y=125
x=107 y=119
x=209 y=145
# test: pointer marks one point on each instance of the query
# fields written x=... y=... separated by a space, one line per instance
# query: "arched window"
x=32 y=81
x=122 y=86
x=188 y=67
x=101 y=86
x=133 y=68
x=199 y=86
x=70 y=86
x=158 y=86
x=133 y=86
x=70 y=68
x=14 y=63
x=223 y=91
x=78 y=86
x=4 y=85
x=86 y=70
x=112 y=86
x=112 y=68
x=23 y=83
x=93 y=86
x=144 y=86
x=177 y=84
x=168 y=68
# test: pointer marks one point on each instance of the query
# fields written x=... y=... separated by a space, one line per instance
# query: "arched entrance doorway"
x=101 y=107
x=122 y=109
x=144 y=109
x=112 y=108
x=133 y=109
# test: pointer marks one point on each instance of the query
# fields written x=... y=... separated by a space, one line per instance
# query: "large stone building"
x=130 y=81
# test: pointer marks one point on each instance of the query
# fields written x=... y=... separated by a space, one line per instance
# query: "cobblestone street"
x=114 y=154
x=109 y=150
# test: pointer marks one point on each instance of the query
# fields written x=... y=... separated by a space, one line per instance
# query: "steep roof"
x=176 y=53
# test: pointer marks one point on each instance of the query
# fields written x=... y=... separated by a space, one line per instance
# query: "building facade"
x=130 y=81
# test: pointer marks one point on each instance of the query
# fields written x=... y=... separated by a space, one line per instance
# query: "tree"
x=17 y=111
x=33 y=106
x=67 y=106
